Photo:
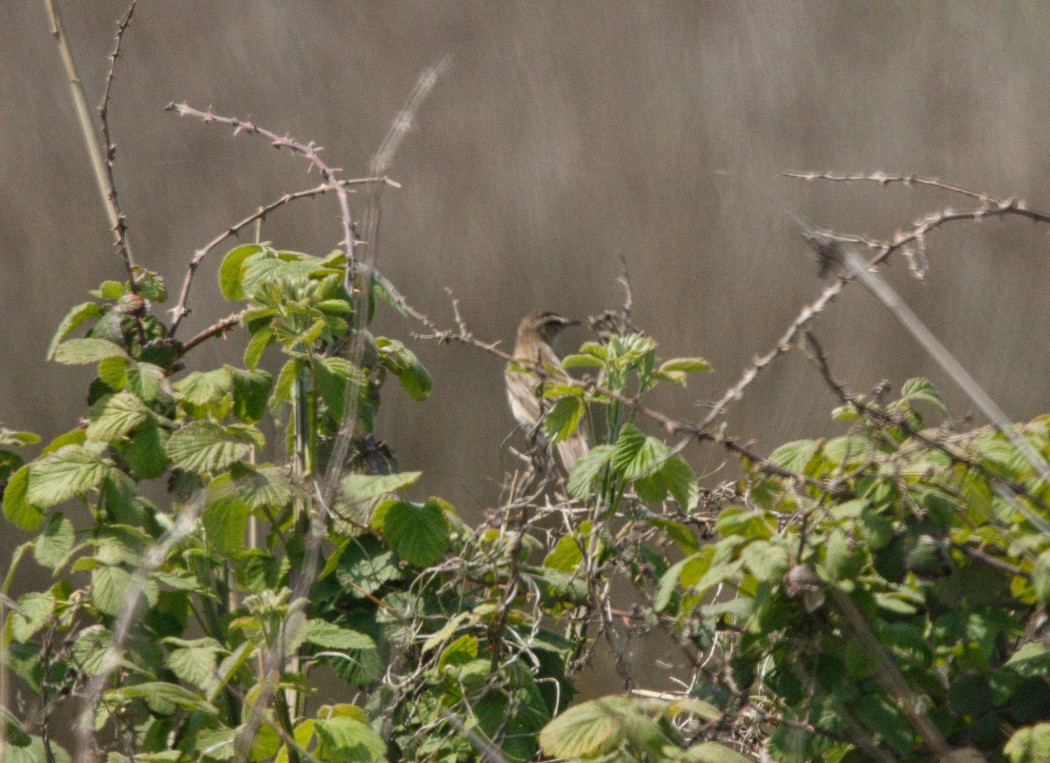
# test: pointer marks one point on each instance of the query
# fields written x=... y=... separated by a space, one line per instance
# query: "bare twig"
x=221 y=327
x=110 y=150
x=100 y=165
x=309 y=151
x=181 y=310
x=901 y=241
x=884 y=178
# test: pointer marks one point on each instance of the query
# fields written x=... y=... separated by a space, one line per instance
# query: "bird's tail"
x=573 y=448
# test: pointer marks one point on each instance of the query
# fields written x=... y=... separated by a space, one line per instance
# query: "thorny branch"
x=309 y=151
x=102 y=166
x=110 y=150
x=883 y=250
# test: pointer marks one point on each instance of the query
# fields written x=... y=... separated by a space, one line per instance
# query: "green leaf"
x=161 y=697
x=55 y=543
x=331 y=636
x=225 y=518
x=794 y=456
x=1029 y=744
x=251 y=389
x=1041 y=578
x=347 y=739
x=588 y=730
x=363 y=487
x=17 y=507
x=918 y=389
x=73 y=318
x=414 y=378
x=636 y=453
x=388 y=292
x=205 y=388
x=564 y=418
x=194 y=661
x=34 y=610
x=145 y=454
x=203 y=446
x=262 y=487
x=676 y=368
x=419 y=534
x=90 y=350
x=261 y=339
x=111 y=290
x=460 y=652
x=114 y=416
x=231 y=270
x=108 y=588
x=712 y=752
x=566 y=555
x=581 y=361
x=768 y=562
x=69 y=471
x=587 y=469
x=144 y=379
x=150 y=284
x=672 y=475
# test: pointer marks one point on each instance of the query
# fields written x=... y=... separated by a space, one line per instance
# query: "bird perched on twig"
x=536 y=333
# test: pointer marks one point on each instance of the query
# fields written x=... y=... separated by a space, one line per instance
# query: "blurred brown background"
x=563 y=135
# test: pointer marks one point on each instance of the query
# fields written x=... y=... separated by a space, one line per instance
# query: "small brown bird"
x=536 y=333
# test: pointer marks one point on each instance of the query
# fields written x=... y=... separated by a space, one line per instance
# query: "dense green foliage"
x=877 y=595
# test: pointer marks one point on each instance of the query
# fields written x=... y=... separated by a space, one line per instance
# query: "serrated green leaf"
x=67 y=472
x=33 y=612
x=636 y=454
x=145 y=453
x=17 y=507
x=82 y=312
x=388 y=292
x=251 y=390
x=794 y=456
x=194 y=661
x=331 y=636
x=261 y=339
x=588 y=730
x=685 y=365
x=111 y=290
x=564 y=417
x=232 y=269
x=459 y=652
x=225 y=517
x=1029 y=744
x=114 y=416
x=203 y=446
x=1041 y=578
x=347 y=739
x=108 y=588
x=363 y=487
x=89 y=350
x=9 y=437
x=712 y=752
x=419 y=534
x=55 y=543
x=921 y=389
x=403 y=363
x=587 y=469
x=566 y=556
x=162 y=697
x=581 y=361
x=205 y=388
